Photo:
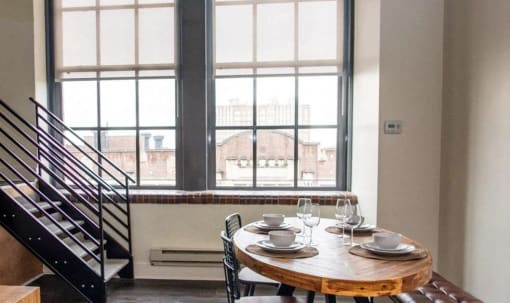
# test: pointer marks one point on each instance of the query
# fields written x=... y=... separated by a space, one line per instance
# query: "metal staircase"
x=75 y=216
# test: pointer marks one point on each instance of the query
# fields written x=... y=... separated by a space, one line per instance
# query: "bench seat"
x=438 y=290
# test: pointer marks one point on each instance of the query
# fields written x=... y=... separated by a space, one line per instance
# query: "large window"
x=131 y=77
x=278 y=79
x=115 y=74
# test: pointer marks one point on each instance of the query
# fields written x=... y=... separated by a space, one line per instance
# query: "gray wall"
x=475 y=208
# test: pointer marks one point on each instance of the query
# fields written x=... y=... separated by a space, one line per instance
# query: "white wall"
x=411 y=51
x=398 y=76
x=365 y=145
x=189 y=226
x=476 y=148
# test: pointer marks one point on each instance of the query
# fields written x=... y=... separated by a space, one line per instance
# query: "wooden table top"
x=334 y=270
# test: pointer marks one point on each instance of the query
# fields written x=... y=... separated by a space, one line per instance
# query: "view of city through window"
x=277 y=92
x=277 y=88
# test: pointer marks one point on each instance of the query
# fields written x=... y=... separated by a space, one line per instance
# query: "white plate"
x=269 y=246
x=264 y=226
x=363 y=227
x=402 y=249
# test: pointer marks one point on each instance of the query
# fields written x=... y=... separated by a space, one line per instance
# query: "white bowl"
x=282 y=238
x=387 y=240
x=273 y=219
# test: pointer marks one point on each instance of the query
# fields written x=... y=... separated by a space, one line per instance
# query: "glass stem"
x=352 y=235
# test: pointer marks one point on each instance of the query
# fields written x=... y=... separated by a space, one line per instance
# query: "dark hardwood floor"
x=55 y=290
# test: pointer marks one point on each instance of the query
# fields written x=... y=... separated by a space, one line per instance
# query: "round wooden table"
x=334 y=270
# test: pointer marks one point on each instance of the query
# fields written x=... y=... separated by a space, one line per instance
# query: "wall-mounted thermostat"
x=392 y=127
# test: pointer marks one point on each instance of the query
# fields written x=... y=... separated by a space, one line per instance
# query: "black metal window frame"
x=344 y=114
x=55 y=103
x=201 y=149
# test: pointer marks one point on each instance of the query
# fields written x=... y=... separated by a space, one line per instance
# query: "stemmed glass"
x=343 y=212
x=311 y=218
x=302 y=204
x=356 y=220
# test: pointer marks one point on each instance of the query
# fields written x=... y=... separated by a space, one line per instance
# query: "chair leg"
x=252 y=289
x=247 y=290
x=310 y=296
x=363 y=300
x=330 y=298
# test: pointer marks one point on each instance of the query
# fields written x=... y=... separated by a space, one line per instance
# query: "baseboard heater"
x=186 y=257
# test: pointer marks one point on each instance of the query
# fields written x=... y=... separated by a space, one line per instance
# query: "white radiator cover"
x=185 y=257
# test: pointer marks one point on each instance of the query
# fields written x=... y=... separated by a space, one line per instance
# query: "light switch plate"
x=393 y=127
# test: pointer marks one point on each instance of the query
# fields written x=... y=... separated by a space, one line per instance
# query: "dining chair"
x=232 y=281
x=247 y=277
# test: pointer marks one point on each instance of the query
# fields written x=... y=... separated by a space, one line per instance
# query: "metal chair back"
x=231 y=268
x=232 y=224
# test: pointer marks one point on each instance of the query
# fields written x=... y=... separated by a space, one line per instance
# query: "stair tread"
x=43 y=205
x=80 y=252
x=65 y=224
x=111 y=267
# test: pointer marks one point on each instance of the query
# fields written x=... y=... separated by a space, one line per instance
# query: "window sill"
x=235 y=197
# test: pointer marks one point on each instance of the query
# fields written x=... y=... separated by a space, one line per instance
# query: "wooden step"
x=44 y=205
x=111 y=267
x=64 y=223
x=80 y=252
x=24 y=188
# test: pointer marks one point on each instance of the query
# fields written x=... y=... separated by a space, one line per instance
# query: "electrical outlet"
x=393 y=127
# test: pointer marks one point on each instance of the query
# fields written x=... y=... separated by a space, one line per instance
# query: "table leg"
x=310 y=296
x=285 y=290
x=363 y=300
x=330 y=298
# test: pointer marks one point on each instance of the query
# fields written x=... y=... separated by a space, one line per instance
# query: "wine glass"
x=311 y=218
x=302 y=204
x=356 y=220
x=343 y=212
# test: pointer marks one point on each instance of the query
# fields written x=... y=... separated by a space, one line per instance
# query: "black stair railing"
x=71 y=179
x=104 y=189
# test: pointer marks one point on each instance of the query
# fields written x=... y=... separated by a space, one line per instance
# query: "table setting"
x=285 y=240
x=343 y=255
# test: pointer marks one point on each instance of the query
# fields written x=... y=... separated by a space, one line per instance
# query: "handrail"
x=85 y=185
x=84 y=201
x=46 y=214
x=38 y=105
x=58 y=146
x=20 y=161
x=85 y=154
x=41 y=165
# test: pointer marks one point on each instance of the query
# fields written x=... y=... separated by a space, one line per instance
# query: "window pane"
x=78 y=3
x=275 y=155
x=154 y=1
x=156 y=35
x=317 y=30
x=234 y=33
x=275 y=101
x=79 y=103
x=116 y=2
x=157 y=102
x=79 y=38
x=234 y=158
x=318 y=100
x=117 y=103
x=91 y=138
x=157 y=157
x=234 y=101
x=317 y=157
x=120 y=148
x=117 y=37
x=275 y=36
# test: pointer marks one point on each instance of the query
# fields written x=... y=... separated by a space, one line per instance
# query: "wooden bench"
x=19 y=294
x=437 y=290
